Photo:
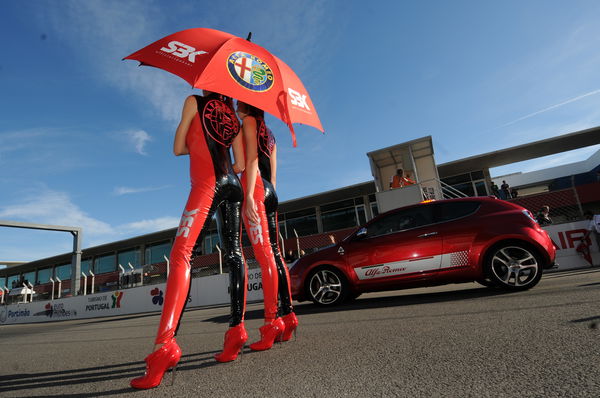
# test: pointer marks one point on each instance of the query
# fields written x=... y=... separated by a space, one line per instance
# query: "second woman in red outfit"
x=260 y=219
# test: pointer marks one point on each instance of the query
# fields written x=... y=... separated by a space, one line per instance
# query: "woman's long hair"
x=251 y=110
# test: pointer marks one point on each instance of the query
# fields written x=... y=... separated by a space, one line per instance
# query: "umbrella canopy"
x=217 y=61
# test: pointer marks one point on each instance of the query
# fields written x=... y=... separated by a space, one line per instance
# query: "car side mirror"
x=362 y=233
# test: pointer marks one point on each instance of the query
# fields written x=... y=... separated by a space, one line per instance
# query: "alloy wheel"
x=514 y=266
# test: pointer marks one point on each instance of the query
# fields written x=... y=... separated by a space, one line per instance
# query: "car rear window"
x=453 y=210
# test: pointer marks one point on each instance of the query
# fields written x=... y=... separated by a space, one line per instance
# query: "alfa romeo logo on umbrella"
x=250 y=71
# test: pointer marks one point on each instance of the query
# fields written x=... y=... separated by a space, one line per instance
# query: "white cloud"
x=150 y=225
x=54 y=208
x=128 y=190
x=136 y=138
x=112 y=30
x=45 y=206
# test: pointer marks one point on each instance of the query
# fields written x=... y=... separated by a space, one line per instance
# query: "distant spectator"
x=504 y=190
x=14 y=284
x=543 y=216
x=399 y=180
x=290 y=256
x=495 y=190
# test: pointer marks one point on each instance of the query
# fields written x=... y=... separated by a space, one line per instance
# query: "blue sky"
x=85 y=138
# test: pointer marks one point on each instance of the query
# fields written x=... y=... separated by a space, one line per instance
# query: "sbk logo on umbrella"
x=298 y=99
x=181 y=50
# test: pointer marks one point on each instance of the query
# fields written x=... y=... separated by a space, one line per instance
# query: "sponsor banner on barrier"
x=567 y=238
x=206 y=291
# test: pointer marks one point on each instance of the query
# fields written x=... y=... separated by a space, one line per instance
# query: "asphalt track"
x=451 y=341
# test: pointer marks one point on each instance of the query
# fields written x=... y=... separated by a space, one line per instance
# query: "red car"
x=482 y=239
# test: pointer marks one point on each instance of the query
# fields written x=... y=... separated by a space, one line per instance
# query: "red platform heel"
x=291 y=323
x=157 y=363
x=268 y=334
x=234 y=343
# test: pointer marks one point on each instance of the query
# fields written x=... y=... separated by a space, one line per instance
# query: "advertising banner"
x=206 y=291
x=567 y=238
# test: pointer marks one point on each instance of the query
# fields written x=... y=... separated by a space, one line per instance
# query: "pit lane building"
x=312 y=221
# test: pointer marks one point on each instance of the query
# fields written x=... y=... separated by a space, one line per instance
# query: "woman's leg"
x=285 y=292
x=259 y=237
x=230 y=229
x=198 y=211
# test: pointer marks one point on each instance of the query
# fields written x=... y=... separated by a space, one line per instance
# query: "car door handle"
x=427 y=235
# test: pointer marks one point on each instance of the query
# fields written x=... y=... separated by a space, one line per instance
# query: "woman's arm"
x=190 y=108
x=249 y=130
x=273 y=161
x=238 y=154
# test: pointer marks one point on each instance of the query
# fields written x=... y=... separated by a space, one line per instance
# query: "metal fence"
x=566 y=205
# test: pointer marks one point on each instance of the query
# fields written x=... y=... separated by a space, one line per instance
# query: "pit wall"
x=213 y=290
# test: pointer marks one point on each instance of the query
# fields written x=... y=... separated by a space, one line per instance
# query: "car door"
x=402 y=245
x=457 y=229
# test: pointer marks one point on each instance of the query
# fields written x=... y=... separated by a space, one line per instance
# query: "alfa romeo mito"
x=483 y=239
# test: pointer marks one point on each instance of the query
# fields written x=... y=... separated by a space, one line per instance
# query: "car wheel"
x=513 y=266
x=326 y=286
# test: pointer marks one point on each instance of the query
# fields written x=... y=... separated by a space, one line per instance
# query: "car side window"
x=453 y=210
x=401 y=220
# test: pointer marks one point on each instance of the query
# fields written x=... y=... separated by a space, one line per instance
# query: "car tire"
x=513 y=266
x=326 y=287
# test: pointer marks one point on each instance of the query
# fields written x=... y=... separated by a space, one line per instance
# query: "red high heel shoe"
x=234 y=343
x=291 y=323
x=157 y=363
x=268 y=334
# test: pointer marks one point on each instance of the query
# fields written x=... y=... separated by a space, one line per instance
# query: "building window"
x=374 y=209
x=344 y=214
x=157 y=253
x=129 y=257
x=339 y=219
x=87 y=266
x=304 y=222
x=211 y=240
x=104 y=264
x=63 y=272
x=29 y=277
x=43 y=276
x=12 y=281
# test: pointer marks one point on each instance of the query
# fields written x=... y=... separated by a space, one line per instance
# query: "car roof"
x=480 y=199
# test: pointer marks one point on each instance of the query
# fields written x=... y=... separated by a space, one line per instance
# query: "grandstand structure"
x=314 y=221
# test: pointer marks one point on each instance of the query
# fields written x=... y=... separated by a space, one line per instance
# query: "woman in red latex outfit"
x=260 y=218
x=207 y=130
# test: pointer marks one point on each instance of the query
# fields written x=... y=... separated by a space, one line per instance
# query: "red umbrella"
x=217 y=61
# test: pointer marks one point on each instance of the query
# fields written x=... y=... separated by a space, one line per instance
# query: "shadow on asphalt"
x=379 y=302
x=119 y=373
